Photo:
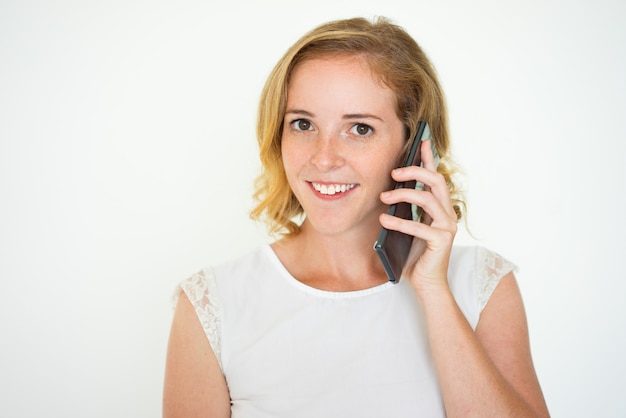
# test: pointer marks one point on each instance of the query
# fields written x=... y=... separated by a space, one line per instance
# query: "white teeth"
x=331 y=189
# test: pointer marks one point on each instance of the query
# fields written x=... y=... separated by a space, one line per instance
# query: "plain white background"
x=127 y=156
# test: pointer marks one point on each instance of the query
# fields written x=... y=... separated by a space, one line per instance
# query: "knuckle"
x=439 y=178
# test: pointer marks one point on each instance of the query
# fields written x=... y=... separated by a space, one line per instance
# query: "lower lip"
x=335 y=196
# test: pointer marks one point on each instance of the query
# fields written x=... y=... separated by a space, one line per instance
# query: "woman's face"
x=341 y=139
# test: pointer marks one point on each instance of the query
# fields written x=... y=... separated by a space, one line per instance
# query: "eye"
x=301 y=124
x=361 y=129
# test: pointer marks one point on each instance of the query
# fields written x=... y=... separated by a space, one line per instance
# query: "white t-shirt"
x=293 y=351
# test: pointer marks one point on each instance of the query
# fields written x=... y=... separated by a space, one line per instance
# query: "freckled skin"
x=340 y=128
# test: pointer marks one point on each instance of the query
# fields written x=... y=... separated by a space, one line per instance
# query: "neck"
x=340 y=262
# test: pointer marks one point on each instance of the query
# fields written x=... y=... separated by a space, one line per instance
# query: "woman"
x=310 y=325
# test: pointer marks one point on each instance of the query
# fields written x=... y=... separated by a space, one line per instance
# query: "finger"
x=428 y=233
x=433 y=209
x=435 y=183
x=414 y=172
x=428 y=159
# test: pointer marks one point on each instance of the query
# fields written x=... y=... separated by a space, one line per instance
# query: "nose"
x=327 y=154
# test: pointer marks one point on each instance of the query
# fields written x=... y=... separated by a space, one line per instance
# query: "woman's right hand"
x=427 y=265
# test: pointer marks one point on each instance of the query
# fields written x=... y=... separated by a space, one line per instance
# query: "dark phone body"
x=393 y=247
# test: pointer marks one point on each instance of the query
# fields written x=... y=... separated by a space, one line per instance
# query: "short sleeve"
x=201 y=290
x=490 y=269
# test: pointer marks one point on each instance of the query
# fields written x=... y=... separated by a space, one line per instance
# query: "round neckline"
x=320 y=292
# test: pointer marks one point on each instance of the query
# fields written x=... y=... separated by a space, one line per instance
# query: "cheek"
x=384 y=171
x=387 y=182
x=291 y=159
x=384 y=163
x=286 y=154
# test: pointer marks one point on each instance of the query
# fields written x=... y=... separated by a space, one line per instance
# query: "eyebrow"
x=362 y=116
x=299 y=112
x=348 y=116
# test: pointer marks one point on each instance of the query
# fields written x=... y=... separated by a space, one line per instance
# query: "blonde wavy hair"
x=395 y=57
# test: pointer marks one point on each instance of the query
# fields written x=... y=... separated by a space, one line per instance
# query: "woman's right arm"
x=194 y=383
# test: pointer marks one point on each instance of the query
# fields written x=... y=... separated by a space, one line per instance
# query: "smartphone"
x=391 y=246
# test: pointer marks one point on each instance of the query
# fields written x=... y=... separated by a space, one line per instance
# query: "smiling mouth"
x=331 y=189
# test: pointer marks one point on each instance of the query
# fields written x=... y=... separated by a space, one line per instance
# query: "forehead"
x=362 y=60
x=338 y=76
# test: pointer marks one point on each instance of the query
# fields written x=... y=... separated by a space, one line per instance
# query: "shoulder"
x=249 y=260
x=203 y=286
x=207 y=287
x=473 y=275
x=477 y=256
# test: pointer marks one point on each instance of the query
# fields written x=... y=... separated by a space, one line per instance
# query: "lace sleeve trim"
x=490 y=269
x=201 y=290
